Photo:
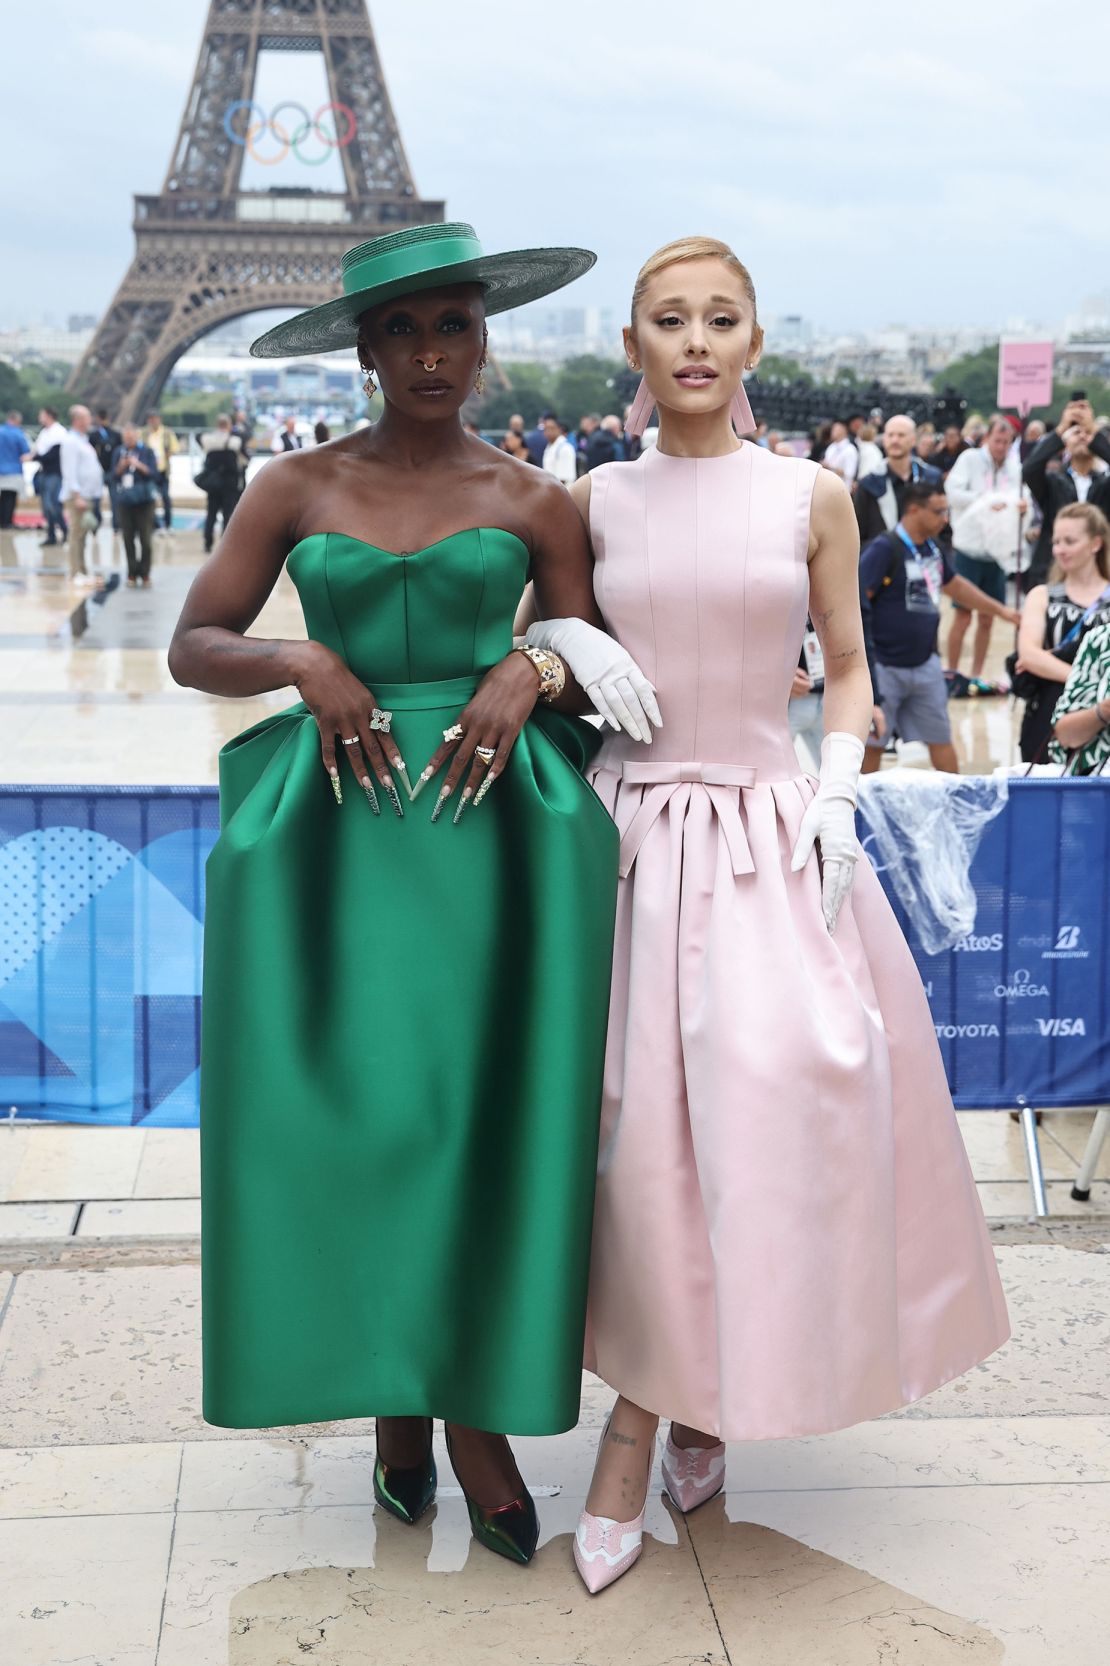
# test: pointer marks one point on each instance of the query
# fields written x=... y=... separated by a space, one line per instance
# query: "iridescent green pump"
x=406 y=1493
x=510 y=1530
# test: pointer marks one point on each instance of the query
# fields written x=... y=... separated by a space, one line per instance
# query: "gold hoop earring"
x=369 y=386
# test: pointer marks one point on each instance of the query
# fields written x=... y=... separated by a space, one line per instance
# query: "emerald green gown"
x=403 y=1034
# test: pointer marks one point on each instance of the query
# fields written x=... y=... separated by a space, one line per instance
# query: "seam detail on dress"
x=697 y=606
x=749 y=472
x=481 y=602
x=647 y=577
x=331 y=603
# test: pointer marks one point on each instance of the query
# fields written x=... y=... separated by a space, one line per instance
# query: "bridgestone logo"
x=961 y=1032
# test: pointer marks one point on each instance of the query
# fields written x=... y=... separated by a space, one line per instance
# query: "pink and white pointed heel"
x=604 y=1548
x=694 y=1474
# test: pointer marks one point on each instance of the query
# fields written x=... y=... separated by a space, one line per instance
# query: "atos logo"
x=1062 y=1026
x=980 y=945
x=1020 y=986
x=1067 y=945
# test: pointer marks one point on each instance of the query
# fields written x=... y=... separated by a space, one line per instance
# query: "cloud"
x=144 y=54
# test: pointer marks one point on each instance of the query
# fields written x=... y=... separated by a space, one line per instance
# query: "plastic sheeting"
x=923 y=831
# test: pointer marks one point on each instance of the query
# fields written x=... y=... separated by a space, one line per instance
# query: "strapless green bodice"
x=439 y=612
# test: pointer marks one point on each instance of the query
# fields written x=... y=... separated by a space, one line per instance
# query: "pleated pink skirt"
x=787 y=1236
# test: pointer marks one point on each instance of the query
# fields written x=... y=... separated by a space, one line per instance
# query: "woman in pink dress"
x=787 y=1237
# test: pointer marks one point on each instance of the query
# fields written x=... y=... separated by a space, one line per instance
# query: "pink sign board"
x=1024 y=375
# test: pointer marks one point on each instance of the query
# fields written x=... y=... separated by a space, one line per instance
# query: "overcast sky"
x=868 y=168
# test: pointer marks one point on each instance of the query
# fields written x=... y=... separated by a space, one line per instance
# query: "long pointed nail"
x=371 y=795
x=463 y=802
x=444 y=795
x=394 y=800
x=484 y=789
x=422 y=782
x=399 y=766
x=333 y=776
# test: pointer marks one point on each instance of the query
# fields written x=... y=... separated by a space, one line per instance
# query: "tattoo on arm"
x=623 y=1440
x=822 y=619
x=847 y=653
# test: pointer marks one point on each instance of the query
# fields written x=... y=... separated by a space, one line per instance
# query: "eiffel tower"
x=206 y=251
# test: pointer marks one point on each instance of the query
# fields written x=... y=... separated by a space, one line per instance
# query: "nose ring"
x=430 y=366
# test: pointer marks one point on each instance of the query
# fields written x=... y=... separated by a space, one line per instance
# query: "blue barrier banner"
x=1020 y=1003
x=101 y=909
x=102 y=906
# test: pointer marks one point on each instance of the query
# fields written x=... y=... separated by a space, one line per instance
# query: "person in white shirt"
x=841 y=455
x=82 y=489
x=286 y=437
x=987 y=501
x=559 y=457
x=870 y=455
x=47 y=452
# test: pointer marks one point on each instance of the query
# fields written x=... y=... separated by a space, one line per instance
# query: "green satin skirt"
x=403 y=1040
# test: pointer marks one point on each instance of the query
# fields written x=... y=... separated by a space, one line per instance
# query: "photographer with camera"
x=135 y=477
x=1084 y=479
x=1057 y=617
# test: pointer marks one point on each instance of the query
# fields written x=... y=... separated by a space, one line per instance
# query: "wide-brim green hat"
x=421 y=257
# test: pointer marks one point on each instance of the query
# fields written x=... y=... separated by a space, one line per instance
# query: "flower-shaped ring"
x=381 y=720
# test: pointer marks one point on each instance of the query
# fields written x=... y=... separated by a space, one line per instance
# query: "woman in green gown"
x=404 y=997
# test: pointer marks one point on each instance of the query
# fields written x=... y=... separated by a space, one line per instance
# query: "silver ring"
x=454 y=733
x=352 y=742
x=486 y=753
x=381 y=720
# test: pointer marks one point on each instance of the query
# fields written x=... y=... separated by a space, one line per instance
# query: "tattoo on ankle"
x=623 y=1440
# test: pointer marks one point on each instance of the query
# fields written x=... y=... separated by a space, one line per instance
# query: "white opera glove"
x=830 y=821
x=610 y=676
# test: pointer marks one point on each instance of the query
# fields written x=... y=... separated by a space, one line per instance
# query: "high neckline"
x=722 y=457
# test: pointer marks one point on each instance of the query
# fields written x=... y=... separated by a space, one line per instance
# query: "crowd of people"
x=1009 y=522
x=993 y=514
x=984 y=513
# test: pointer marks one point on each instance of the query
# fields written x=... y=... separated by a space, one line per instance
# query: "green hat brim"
x=509 y=280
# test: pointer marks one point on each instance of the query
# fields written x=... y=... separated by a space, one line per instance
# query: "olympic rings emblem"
x=309 y=125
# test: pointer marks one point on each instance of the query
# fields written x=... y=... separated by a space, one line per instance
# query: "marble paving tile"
x=52 y=1162
x=267 y=1474
x=1025 y=1566
x=36 y=1220
x=1013 y=1199
x=89 y=1480
x=158 y=1217
x=6 y=1282
x=996 y=1148
x=782 y=1603
x=929 y=1452
x=1072 y=1129
x=170 y=1164
x=95 y=1356
x=85 y=1590
x=1056 y=1360
x=347 y=1586
x=92 y=1357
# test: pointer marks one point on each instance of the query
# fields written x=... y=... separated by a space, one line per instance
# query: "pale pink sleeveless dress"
x=787 y=1237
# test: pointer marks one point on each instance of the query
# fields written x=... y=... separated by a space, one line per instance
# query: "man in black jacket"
x=1080 y=481
x=880 y=496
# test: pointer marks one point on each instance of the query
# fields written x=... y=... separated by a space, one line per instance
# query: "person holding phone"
x=134 y=472
x=1085 y=478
